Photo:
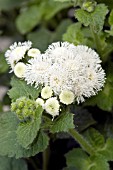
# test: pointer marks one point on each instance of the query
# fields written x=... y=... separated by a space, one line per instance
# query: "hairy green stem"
x=80 y=139
x=46 y=158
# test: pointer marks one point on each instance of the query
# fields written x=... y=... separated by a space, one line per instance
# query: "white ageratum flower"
x=75 y=68
x=17 y=52
x=46 y=92
x=40 y=102
x=19 y=69
x=36 y=70
x=58 y=52
x=52 y=106
x=66 y=97
x=33 y=52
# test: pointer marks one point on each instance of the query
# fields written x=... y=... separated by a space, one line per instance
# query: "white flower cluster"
x=66 y=71
x=67 y=67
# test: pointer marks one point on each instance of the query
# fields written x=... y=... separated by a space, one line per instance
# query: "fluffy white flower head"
x=33 y=52
x=66 y=97
x=52 y=106
x=17 y=52
x=19 y=69
x=59 y=52
x=46 y=92
x=40 y=102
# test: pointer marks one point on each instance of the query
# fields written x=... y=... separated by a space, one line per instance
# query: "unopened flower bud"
x=89 y=6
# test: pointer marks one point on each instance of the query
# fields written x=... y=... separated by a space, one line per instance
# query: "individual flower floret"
x=57 y=78
x=66 y=97
x=36 y=70
x=19 y=69
x=52 y=106
x=33 y=52
x=17 y=52
x=46 y=92
x=40 y=102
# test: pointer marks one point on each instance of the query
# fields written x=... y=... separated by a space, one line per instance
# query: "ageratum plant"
x=51 y=87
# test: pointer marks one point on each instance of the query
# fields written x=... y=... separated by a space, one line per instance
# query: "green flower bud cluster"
x=24 y=108
x=89 y=6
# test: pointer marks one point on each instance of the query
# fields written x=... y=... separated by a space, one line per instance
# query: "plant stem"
x=97 y=41
x=46 y=158
x=83 y=143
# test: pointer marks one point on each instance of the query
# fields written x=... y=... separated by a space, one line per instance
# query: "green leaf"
x=95 y=139
x=9 y=4
x=63 y=123
x=61 y=29
x=79 y=159
x=31 y=18
x=95 y=19
x=98 y=162
x=110 y=19
x=12 y=164
x=8 y=139
x=27 y=131
x=74 y=34
x=107 y=150
x=3 y=64
x=20 y=88
x=41 y=38
x=51 y=8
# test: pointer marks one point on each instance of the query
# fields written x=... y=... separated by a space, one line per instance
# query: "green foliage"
x=74 y=34
x=20 y=88
x=9 y=4
x=46 y=37
x=95 y=138
x=63 y=123
x=107 y=150
x=12 y=164
x=51 y=8
x=8 y=139
x=31 y=18
x=3 y=64
x=32 y=15
x=27 y=131
x=94 y=19
x=79 y=159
